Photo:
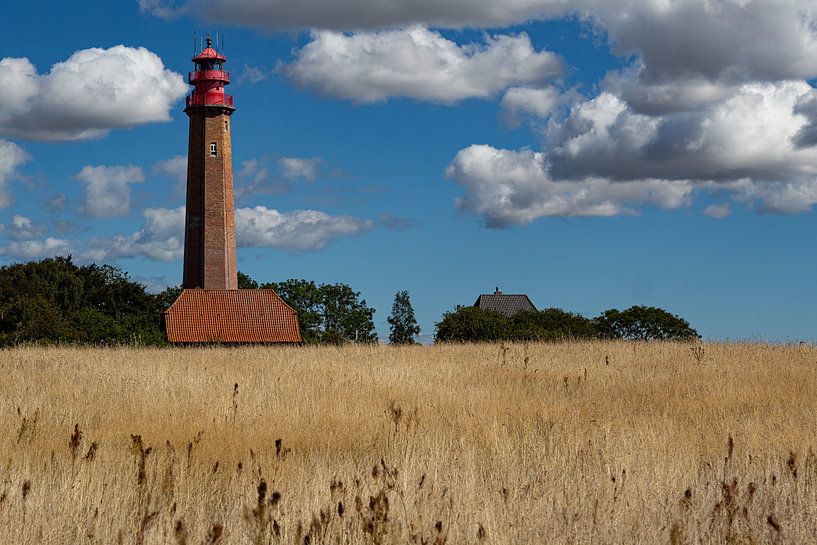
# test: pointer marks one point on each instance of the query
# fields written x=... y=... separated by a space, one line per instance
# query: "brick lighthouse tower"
x=209 y=237
x=211 y=308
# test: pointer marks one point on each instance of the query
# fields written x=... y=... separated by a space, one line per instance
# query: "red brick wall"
x=209 y=244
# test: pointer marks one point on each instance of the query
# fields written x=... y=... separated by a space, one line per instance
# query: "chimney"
x=498 y=291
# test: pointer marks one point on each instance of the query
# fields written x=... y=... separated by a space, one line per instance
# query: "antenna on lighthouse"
x=194 y=43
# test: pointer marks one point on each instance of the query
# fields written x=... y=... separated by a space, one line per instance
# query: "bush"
x=644 y=324
x=56 y=301
x=471 y=324
x=551 y=324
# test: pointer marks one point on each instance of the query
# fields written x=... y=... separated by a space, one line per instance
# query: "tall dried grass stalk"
x=568 y=443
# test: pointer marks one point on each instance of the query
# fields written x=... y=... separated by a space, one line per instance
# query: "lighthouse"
x=209 y=236
x=211 y=308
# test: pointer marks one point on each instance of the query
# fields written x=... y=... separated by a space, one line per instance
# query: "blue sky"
x=590 y=154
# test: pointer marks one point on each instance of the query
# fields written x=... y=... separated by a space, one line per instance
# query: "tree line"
x=638 y=323
x=56 y=301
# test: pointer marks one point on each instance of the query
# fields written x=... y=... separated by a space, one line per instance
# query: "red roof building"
x=231 y=316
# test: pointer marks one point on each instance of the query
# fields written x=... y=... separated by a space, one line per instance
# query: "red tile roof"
x=231 y=316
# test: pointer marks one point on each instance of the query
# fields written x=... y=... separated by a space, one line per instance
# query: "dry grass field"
x=574 y=443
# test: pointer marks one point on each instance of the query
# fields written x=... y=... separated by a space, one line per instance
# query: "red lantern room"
x=209 y=79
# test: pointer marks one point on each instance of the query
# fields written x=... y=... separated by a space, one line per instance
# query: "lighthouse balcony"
x=208 y=75
x=205 y=100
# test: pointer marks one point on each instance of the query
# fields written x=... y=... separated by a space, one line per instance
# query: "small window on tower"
x=226 y=127
x=213 y=149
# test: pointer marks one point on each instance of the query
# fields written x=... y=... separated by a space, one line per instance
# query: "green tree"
x=305 y=297
x=644 y=324
x=552 y=324
x=402 y=321
x=346 y=317
x=56 y=301
x=329 y=313
x=245 y=282
x=472 y=324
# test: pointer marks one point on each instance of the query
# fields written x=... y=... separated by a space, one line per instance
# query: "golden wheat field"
x=496 y=444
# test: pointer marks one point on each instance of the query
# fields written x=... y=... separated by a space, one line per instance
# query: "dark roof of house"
x=231 y=316
x=506 y=304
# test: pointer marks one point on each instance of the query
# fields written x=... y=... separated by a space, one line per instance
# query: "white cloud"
x=26 y=243
x=174 y=168
x=718 y=210
x=58 y=202
x=107 y=189
x=255 y=179
x=715 y=98
x=298 y=167
x=22 y=228
x=806 y=106
x=358 y=14
x=748 y=135
x=713 y=39
x=605 y=159
x=521 y=102
x=252 y=75
x=794 y=197
x=11 y=157
x=301 y=230
x=35 y=249
x=93 y=91
x=418 y=63
x=657 y=98
x=161 y=238
x=510 y=187
x=162 y=8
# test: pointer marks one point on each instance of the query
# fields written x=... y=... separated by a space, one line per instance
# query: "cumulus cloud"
x=22 y=228
x=605 y=159
x=26 y=240
x=749 y=135
x=165 y=9
x=509 y=187
x=255 y=179
x=107 y=189
x=806 y=106
x=174 y=168
x=715 y=96
x=36 y=249
x=301 y=230
x=715 y=40
x=792 y=197
x=396 y=223
x=299 y=167
x=57 y=203
x=520 y=103
x=418 y=63
x=718 y=211
x=11 y=157
x=93 y=91
x=252 y=75
x=161 y=238
x=359 y=14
